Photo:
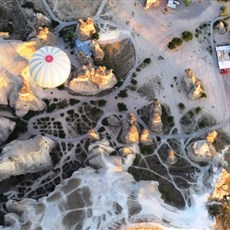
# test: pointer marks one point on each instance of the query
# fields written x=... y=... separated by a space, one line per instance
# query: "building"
x=172 y=4
x=83 y=46
x=223 y=56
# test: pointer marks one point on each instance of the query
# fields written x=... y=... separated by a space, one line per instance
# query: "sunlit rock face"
x=85 y=29
x=211 y=136
x=149 y=3
x=221 y=27
x=201 y=151
x=6 y=127
x=145 y=137
x=25 y=100
x=196 y=90
x=155 y=123
x=92 y=80
x=98 y=53
x=20 y=157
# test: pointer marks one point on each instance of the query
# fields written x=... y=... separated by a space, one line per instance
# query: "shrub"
x=134 y=82
x=147 y=60
x=134 y=74
x=187 y=36
x=177 y=41
x=187 y=2
x=29 y=5
x=181 y=106
x=102 y=103
x=171 y=45
x=123 y=93
x=95 y=36
x=197 y=110
x=54 y=23
x=160 y=58
x=138 y=69
x=203 y=95
x=122 y=107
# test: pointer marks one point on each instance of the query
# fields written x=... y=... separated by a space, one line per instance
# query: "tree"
x=187 y=2
x=122 y=107
x=177 y=41
x=187 y=36
x=171 y=45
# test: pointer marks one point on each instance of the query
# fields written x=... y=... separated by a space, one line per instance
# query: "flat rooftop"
x=223 y=56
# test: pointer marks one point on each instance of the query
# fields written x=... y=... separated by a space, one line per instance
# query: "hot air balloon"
x=49 y=67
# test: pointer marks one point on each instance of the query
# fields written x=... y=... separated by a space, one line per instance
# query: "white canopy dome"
x=49 y=67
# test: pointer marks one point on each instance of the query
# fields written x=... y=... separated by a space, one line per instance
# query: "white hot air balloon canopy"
x=49 y=67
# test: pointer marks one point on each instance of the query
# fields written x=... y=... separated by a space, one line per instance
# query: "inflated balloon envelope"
x=49 y=67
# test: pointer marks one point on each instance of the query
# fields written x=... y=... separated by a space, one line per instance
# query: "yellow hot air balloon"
x=49 y=67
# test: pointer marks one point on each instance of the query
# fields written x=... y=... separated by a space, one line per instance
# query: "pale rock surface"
x=98 y=53
x=222 y=188
x=92 y=80
x=84 y=59
x=145 y=137
x=43 y=20
x=156 y=107
x=6 y=127
x=189 y=78
x=85 y=29
x=155 y=123
x=221 y=28
x=201 y=151
x=21 y=157
x=196 y=90
x=24 y=100
x=131 y=135
x=114 y=121
x=149 y=3
x=4 y=34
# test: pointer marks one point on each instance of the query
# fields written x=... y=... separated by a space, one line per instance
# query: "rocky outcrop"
x=196 y=91
x=203 y=151
x=84 y=59
x=189 y=78
x=193 y=85
x=98 y=53
x=6 y=127
x=114 y=121
x=43 y=20
x=21 y=157
x=24 y=100
x=155 y=122
x=149 y=3
x=172 y=159
x=221 y=27
x=145 y=137
x=92 y=80
x=93 y=135
x=85 y=28
x=211 y=136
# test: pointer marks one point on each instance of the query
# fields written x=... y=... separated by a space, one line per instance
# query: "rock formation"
x=20 y=157
x=189 y=78
x=156 y=107
x=92 y=80
x=172 y=159
x=24 y=100
x=149 y=3
x=98 y=53
x=6 y=127
x=211 y=136
x=93 y=135
x=43 y=20
x=85 y=29
x=84 y=59
x=45 y=38
x=221 y=27
x=193 y=85
x=145 y=137
x=132 y=135
x=196 y=90
x=114 y=121
x=155 y=123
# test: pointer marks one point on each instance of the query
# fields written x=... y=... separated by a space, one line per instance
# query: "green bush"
x=177 y=41
x=171 y=45
x=123 y=93
x=187 y=2
x=134 y=74
x=147 y=60
x=181 y=106
x=187 y=36
x=122 y=107
x=95 y=36
x=134 y=82
x=102 y=103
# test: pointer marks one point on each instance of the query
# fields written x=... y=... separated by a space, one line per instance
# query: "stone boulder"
x=85 y=28
x=92 y=80
x=196 y=90
x=6 y=127
x=221 y=27
x=21 y=157
x=98 y=53
x=189 y=78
